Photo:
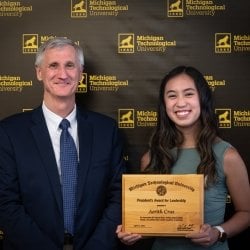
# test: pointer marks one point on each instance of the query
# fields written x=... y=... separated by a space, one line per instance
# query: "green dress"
x=215 y=198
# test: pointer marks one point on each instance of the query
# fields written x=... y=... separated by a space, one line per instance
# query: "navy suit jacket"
x=31 y=214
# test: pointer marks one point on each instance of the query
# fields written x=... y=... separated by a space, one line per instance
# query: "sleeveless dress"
x=215 y=198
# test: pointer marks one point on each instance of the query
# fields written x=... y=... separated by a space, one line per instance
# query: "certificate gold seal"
x=162 y=205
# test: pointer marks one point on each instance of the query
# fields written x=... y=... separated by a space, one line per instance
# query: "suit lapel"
x=43 y=142
x=85 y=135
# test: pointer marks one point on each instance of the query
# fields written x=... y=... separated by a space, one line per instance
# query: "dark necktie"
x=69 y=162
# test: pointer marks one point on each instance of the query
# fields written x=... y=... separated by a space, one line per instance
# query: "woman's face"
x=182 y=101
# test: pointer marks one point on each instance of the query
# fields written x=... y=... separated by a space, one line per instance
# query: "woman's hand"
x=126 y=237
x=206 y=237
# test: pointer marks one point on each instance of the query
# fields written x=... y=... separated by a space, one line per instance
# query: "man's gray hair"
x=55 y=43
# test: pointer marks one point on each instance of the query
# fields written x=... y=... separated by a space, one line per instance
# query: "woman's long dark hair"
x=166 y=136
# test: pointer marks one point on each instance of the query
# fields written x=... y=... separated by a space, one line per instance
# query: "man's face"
x=60 y=72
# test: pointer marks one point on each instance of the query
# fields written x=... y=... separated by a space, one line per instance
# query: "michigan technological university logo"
x=223 y=43
x=224 y=117
x=126 y=43
x=144 y=43
x=126 y=118
x=175 y=8
x=82 y=86
x=179 y=8
x=78 y=8
x=30 y=43
x=161 y=190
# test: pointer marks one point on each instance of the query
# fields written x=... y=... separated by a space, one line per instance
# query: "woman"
x=186 y=141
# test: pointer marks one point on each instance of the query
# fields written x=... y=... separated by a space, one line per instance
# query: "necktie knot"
x=64 y=124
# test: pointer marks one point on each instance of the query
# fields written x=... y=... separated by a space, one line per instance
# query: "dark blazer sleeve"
x=21 y=172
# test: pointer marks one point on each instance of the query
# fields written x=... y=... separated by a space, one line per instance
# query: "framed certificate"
x=162 y=205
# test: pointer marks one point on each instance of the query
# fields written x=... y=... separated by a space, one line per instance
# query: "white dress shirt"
x=53 y=120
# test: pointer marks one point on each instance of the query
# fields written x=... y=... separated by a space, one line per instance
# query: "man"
x=32 y=196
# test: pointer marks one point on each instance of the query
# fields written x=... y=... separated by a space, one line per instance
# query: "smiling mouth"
x=182 y=113
x=63 y=83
